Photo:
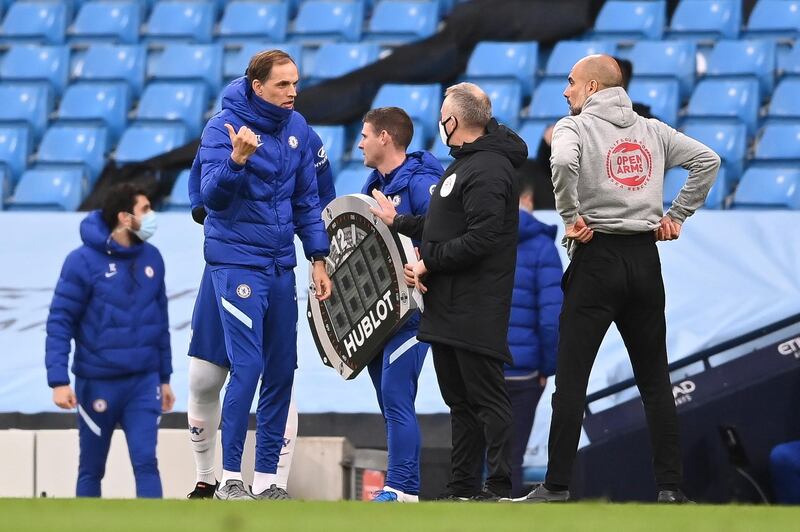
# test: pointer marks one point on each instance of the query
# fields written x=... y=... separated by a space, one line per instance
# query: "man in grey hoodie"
x=608 y=168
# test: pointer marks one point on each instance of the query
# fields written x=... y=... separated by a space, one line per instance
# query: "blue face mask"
x=148 y=225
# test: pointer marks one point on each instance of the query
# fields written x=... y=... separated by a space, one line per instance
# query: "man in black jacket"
x=466 y=273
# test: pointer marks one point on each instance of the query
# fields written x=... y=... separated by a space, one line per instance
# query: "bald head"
x=591 y=74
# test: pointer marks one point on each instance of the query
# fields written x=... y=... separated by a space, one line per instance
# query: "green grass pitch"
x=66 y=515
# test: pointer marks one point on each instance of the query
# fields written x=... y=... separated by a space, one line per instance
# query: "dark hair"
x=527 y=186
x=261 y=64
x=626 y=67
x=120 y=198
x=394 y=121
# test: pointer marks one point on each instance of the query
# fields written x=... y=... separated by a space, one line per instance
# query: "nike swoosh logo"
x=110 y=274
x=259 y=144
x=197 y=441
x=284 y=454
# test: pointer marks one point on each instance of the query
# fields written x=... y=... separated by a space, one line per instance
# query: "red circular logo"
x=629 y=164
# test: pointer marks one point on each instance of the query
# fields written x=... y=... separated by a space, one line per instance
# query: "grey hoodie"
x=608 y=167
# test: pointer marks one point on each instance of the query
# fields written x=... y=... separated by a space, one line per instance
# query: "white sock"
x=230 y=475
x=287 y=452
x=205 y=382
x=262 y=481
x=401 y=496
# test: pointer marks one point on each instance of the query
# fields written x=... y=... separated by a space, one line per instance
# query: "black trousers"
x=524 y=394
x=614 y=278
x=474 y=388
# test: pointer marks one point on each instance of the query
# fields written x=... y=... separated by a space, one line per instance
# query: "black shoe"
x=449 y=497
x=203 y=490
x=673 y=497
x=486 y=496
x=542 y=494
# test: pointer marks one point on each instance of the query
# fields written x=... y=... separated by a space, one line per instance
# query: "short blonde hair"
x=473 y=106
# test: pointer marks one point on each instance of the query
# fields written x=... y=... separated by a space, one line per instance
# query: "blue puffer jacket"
x=254 y=210
x=536 y=303
x=409 y=187
x=112 y=301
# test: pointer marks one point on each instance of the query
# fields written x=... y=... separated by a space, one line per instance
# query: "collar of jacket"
x=96 y=235
x=239 y=97
x=398 y=178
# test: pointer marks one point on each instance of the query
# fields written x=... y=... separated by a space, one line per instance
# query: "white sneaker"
x=401 y=497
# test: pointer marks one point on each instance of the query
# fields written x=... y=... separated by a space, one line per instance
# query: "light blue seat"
x=675 y=178
x=779 y=142
x=351 y=179
x=108 y=102
x=421 y=102
x=768 y=187
x=774 y=18
x=333 y=139
x=707 y=19
x=441 y=152
x=143 y=141
x=334 y=60
x=725 y=98
x=566 y=53
x=29 y=103
x=401 y=21
x=548 y=101
x=505 y=60
x=83 y=145
x=235 y=61
x=789 y=61
x=58 y=189
x=785 y=102
x=254 y=20
x=179 y=197
x=671 y=59
x=109 y=62
x=44 y=22
x=184 y=102
x=531 y=132
x=36 y=63
x=328 y=20
x=727 y=139
x=506 y=98
x=110 y=21
x=181 y=21
x=15 y=147
x=661 y=95
x=180 y=61
x=744 y=58
x=631 y=19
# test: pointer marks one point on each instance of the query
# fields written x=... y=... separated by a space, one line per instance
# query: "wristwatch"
x=316 y=258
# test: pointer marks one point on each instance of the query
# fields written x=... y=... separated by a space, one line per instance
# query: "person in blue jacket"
x=111 y=300
x=208 y=367
x=408 y=181
x=259 y=188
x=533 y=326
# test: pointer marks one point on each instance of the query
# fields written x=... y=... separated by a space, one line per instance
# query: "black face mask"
x=443 y=134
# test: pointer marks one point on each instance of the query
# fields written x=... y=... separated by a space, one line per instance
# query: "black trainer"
x=203 y=490
x=450 y=497
x=542 y=494
x=486 y=496
x=673 y=497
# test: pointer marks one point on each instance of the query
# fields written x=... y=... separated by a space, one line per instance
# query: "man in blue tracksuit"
x=208 y=367
x=111 y=300
x=258 y=185
x=407 y=180
x=532 y=327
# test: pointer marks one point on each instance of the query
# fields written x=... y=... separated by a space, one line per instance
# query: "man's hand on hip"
x=322 y=283
x=385 y=211
x=668 y=229
x=579 y=231
x=244 y=143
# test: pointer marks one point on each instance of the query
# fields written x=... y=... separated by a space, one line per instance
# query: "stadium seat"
x=441 y=152
x=707 y=19
x=180 y=21
x=30 y=103
x=108 y=21
x=673 y=59
x=235 y=61
x=566 y=53
x=15 y=147
x=505 y=60
x=675 y=178
x=774 y=18
x=631 y=19
x=108 y=102
x=417 y=143
x=768 y=187
x=247 y=20
x=333 y=60
x=728 y=140
x=326 y=20
x=42 y=22
x=531 y=132
x=779 y=142
x=32 y=62
x=84 y=145
x=548 y=101
x=785 y=102
x=60 y=189
x=179 y=197
x=506 y=97
x=421 y=102
x=401 y=21
x=333 y=139
x=744 y=58
x=351 y=179
x=723 y=98
x=188 y=62
x=143 y=141
x=662 y=95
x=185 y=102
x=788 y=61
x=108 y=62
